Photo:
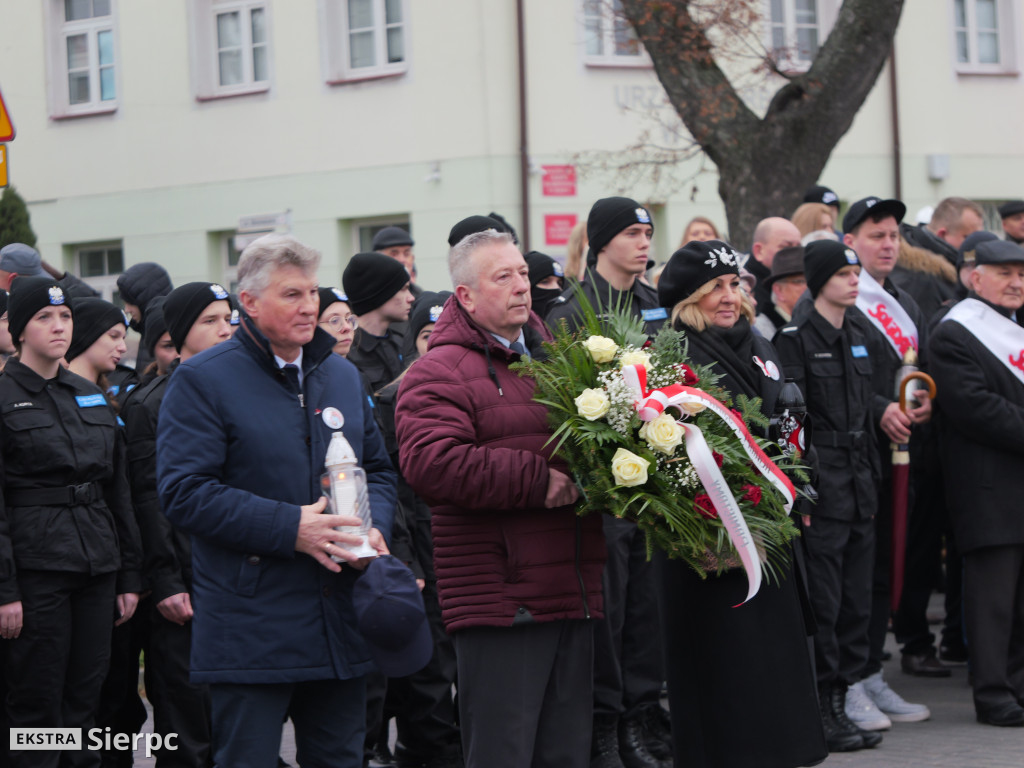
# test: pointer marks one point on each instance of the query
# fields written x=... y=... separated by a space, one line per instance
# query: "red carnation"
x=689 y=377
x=702 y=503
x=719 y=458
x=752 y=493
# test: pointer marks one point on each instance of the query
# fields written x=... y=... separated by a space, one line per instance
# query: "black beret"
x=28 y=295
x=389 y=237
x=822 y=259
x=1011 y=207
x=874 y=205
x=505 y=226
x=693 y=265
x=371 y=279
x=185 y=303
x=471 y=225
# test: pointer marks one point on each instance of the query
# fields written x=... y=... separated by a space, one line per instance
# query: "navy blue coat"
x=237 y=455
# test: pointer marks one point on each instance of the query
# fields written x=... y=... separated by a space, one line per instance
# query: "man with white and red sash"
x=977 y=360
x=895 y=327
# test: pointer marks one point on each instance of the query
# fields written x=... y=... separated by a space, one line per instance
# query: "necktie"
x=515 y=346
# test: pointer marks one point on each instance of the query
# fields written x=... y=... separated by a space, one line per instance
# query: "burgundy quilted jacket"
x=472 y=444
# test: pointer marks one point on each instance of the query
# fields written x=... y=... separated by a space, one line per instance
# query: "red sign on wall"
x=559 y=180
x=557 y=227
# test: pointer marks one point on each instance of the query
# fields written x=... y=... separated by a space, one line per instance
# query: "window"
x=82 y=56
x=608 y=37
x=364 y=39
x=231 y=47
x=981 y=46
x=99 y=265
x=230 y=253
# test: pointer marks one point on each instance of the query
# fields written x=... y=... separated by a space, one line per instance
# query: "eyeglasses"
x=337 y=321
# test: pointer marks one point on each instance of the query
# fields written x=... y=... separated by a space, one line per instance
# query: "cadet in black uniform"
x=69 y=546
x=197 y=316
x=629 y=723
x=826 y=354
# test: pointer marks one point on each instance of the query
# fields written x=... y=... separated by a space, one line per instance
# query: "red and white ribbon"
x=652 y=403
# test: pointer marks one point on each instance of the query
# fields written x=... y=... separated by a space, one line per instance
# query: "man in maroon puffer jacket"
x=519 y=574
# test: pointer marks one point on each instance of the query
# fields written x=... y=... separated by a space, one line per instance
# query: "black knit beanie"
x=426 y=309
x=693 y=265
x=470 y=226
x=185 y=303
x=822 y=259
x=330 y=296
x=608 y=217
x=29 y=295
x=93 y=318
x=156 y=324
x=542 y=266
x=371 y=279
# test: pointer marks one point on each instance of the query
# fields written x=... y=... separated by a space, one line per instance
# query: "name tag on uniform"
x=859 y=351
x=650 y=315
x=90 y=401
x=822 y=355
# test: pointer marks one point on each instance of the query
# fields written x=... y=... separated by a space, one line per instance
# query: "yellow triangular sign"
x=6 y=129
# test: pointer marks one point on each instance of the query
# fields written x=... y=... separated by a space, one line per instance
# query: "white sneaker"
x=891 y=703
x=862 y=710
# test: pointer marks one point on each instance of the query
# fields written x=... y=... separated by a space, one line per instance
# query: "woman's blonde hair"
x=807 y=218
x=574 y=262
x=687 y=313
x=698 y=220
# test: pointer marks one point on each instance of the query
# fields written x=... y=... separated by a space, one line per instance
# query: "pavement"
x=952 y=738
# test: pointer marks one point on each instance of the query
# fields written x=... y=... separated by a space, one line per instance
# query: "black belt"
x=68 y=496
x=826 y=439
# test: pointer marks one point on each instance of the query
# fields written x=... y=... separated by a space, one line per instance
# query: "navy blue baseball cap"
x=391 y=617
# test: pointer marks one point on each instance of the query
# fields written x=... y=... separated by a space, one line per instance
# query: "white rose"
x=628 y=468
x=635 y=357
x=592 y=404
x=662 y=434
x=602 y=349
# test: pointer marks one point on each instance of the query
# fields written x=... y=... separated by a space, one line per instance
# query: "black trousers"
x=928 y=529
x=422 y=703
x=55 y=670
x=840 y=556
x=179 y=705
x=629 y=666
x=994 y=618
x=329 y=718
x=526 y=694
x=121 y=708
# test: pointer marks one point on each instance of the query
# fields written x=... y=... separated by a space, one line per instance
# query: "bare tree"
x=764 y=163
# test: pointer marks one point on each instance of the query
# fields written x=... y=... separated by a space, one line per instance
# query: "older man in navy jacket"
x=242 y=437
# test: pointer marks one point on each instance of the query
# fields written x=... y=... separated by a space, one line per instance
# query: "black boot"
x=604 y=742
x=657 y=731
x=870 y=738
x=839 y=737
x=633 y=747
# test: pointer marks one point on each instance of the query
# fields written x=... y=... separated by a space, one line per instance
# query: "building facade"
x=177 y=131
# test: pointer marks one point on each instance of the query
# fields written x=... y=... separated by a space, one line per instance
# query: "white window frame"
x=1006 y=28
x=57 y=32
x=105 y=284
x=786 y=59
x=608 y=20
x=335 y=43
x=204 y=52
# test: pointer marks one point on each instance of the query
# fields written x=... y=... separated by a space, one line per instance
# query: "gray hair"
x=460 y=267
x=269 y=253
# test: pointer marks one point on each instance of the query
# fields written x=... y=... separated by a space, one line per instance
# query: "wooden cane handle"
x=921 y=376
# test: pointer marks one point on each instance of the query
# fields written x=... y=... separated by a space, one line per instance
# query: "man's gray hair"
x=460 y=266
x=271 y=252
